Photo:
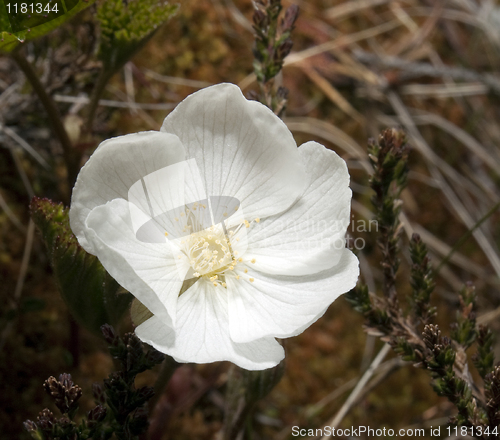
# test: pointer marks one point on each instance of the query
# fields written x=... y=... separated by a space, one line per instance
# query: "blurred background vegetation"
x=357 y=66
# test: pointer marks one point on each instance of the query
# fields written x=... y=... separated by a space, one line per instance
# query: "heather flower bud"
x=145 y=393
x=139 y=420
x=64 y=392
x=291 y=16
x=30 y=426
x=259 y=19
x=154 y=357
x=285 y=48
x=46 y=420
x=96 y=415
x=98 y=393
x=282 y=93
x=110 y=335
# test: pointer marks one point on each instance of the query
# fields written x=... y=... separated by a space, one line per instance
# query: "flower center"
x=208 y=251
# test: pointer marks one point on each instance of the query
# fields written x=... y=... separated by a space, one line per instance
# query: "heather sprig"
x=388 y=157
x=443 y=357
x=272 y=45
x=484 y=358
x=421 y=281
x=120 y=409
x=65 y=395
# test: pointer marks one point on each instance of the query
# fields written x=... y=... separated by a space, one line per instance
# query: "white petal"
x=284 y=306
x=242 y=148
x=148 y=271
x=113 y=169
x=310 y=236
x=202 y=333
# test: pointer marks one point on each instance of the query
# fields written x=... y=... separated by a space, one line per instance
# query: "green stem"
x=232 y=429
x=74 y=341
x=71 y=157
x=167 y=371
x=465 y=237
x=116 y=60
x=102 y=80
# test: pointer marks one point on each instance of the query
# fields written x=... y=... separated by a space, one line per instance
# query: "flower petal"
x=310 y=236
x=149 y=271
x=285 y=306
x=113 y=169
x=202 y=332
x=242 y=148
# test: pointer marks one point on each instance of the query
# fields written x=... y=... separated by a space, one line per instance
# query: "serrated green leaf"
x=16 y=28
x=90 y=293
x=127 y=26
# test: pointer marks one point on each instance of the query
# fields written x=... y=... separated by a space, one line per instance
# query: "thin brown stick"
x=359 y=387
x=71 y=158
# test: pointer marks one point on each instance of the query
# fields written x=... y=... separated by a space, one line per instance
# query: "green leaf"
x=90 y=293
x=127 y=26
x=17 y=27
x=4 y=19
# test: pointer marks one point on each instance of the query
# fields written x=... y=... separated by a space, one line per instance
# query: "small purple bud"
x=291 y=15
x=96 y=415
x=285 y=48
x=109 y=334
x=259 y=18
x=98 y=393
x=30 y=426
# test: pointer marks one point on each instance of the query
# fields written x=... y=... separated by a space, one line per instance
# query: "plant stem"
x=465 y=237
x=74 y=341
x=359 y=387
x=102 y=80
x=167 y=371
x=70 y=155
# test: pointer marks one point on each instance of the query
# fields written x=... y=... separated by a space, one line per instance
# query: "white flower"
x=221 y=196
